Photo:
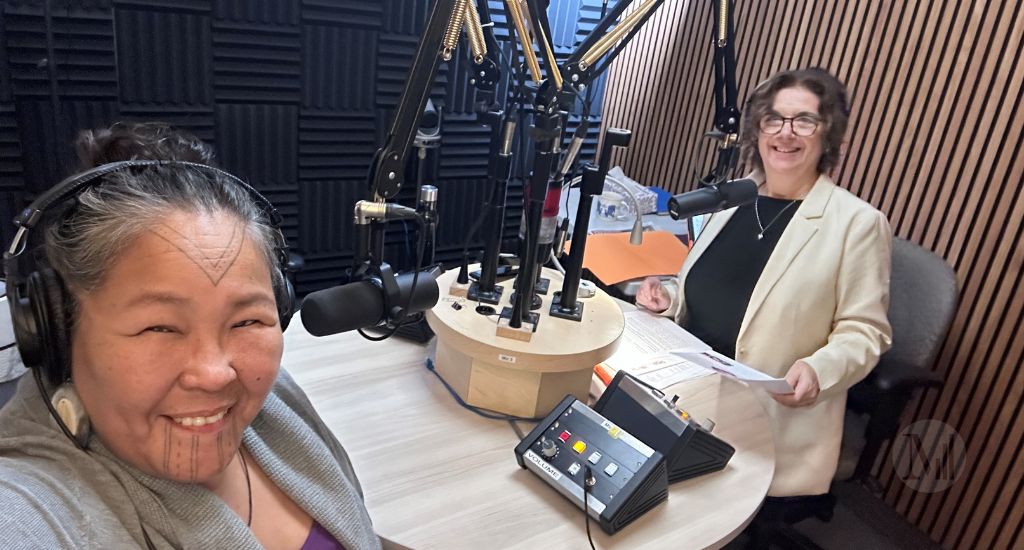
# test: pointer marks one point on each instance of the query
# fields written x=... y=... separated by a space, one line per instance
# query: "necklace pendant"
x=760 y=236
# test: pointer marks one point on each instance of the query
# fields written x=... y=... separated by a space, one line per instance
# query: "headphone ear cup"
x=49 y=301
x=284 y=293
x=26 y=326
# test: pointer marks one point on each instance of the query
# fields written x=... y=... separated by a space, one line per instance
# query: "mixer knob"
x=548 y=449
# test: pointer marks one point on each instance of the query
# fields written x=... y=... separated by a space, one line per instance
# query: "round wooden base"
x=509 y=374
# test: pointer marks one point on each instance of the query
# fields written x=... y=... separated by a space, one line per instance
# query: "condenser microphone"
x=713 y=198
x=428 y=210
x=363 y=304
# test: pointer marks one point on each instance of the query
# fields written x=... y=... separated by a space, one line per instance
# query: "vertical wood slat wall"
x=935 y=143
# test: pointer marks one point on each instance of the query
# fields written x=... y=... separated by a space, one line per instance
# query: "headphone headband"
x=73 y=185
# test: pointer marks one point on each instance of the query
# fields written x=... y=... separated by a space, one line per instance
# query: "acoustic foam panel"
x=269 y=133
x=164 y=57
x=257 y=11
x=295 y=95
x=339 y=68
x=83 y=49
x=256 y=63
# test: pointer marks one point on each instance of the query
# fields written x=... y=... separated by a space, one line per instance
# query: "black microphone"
x=362 y=304
x=713 y=198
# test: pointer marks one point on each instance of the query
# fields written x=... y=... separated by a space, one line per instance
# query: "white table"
x=437 y=476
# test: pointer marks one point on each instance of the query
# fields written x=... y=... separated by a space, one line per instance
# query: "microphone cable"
x=586 y=515
x=571 y=173
x=429 y=363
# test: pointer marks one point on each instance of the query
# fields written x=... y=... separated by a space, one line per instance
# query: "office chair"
x=923 y=299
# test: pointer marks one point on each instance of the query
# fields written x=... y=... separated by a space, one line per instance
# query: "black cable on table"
x=477 y=410
x=518 y=431
x=586 y=514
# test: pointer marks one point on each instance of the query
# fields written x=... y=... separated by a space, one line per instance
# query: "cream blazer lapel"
x=801 y=228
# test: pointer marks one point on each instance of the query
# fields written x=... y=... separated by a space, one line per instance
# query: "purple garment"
x=321 y=539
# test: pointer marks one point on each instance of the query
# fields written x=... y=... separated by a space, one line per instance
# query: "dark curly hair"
x=834 y=109
x=140 y=141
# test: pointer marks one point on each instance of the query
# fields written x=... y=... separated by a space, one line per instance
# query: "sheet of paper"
x=719 y=363
x=646 y=351
x=661 y=370
x=648 y=334
x=668 y=376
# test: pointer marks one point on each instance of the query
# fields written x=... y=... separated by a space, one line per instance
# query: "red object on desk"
x=613 y=260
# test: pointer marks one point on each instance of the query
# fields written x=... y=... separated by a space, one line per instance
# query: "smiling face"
x=175 y=353
x=786 y=153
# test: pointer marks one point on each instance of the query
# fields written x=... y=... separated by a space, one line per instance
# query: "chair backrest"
x=922 y=302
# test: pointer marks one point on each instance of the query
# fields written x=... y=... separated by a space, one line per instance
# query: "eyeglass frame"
x=790 y=119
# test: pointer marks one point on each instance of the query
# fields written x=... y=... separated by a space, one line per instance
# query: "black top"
x=719 y=285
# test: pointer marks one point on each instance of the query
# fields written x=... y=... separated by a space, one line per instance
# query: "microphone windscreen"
x=708 y=200
x=343 y=308
x=694 y=203
x=424 y=296
x=738 y=192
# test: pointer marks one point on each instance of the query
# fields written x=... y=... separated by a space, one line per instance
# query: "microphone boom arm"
x=727 y=114
x=588 y=61
x=515 y=13
x=388 y=168
x=541 y=27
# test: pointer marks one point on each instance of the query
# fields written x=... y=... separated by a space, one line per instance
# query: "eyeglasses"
x=803 y=125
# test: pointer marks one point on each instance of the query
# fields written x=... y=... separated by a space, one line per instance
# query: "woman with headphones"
x=152 y=320
x=795 y=284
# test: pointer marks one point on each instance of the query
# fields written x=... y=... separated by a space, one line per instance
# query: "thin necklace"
x=757 y=213
x=248 y=485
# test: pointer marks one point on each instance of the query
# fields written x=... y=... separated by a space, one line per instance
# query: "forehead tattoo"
x=212 y=253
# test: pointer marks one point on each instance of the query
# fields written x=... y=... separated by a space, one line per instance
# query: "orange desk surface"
x=612 y=259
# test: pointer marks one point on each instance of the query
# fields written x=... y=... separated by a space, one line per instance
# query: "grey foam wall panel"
x=269 y=133
x=257 y=11
x=164 y=57
x=295 y=95
x=256 y=63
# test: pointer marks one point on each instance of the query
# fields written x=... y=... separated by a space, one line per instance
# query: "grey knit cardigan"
x=53 y=495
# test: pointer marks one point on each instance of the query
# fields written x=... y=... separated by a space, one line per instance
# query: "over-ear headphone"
x=39 y=300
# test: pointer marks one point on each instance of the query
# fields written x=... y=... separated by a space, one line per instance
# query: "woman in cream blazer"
x=817 y=313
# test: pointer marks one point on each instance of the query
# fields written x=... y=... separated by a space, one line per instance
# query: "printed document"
x=727 y=367
x=646 y=351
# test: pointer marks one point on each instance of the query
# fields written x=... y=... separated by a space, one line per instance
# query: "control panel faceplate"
x=622 y=467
